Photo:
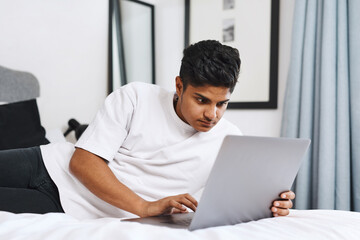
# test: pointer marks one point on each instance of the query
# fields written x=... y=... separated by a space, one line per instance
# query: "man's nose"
x=210 y=113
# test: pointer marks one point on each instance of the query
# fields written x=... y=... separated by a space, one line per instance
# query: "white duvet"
x=300 y=224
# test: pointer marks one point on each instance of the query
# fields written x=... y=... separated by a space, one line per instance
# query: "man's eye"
x=200 y=100
x=222 y=104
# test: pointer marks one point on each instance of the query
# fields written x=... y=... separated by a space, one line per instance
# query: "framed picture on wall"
x=253 y=28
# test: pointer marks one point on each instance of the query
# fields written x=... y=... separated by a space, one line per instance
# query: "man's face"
x=201 y=107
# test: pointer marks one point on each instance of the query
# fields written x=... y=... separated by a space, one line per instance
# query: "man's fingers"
x=283 y=204
x=279 y=211
x=288 y=195
x=187 y=200
x=176 y=204
x=182 y=201
x=175 y=210
x=281 y=207
x=191 y=199
x=188 y=204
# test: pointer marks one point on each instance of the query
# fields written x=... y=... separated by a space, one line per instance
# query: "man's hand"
x=281 y=207
x=169 y=205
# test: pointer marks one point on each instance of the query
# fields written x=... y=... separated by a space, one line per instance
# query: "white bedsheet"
x=300 y=224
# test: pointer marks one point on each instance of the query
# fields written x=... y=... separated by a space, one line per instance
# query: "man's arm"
x=95 y=174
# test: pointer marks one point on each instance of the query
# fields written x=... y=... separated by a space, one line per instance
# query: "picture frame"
x=129 y=20
x=235 y=23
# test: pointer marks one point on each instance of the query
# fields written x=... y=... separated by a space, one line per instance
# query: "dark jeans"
x=25 y=185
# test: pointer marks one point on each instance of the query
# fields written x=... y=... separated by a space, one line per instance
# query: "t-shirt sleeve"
x=106 y=133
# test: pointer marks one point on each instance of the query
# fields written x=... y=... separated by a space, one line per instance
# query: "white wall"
x=64 y=44
x=268 y=122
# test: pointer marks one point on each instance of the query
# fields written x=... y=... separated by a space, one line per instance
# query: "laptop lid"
x=248 y=174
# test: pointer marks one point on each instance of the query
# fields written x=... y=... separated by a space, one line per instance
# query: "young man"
x=148 y=151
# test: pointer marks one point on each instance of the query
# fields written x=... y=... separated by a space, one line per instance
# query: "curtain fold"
x=354 y=66
x=322 y=102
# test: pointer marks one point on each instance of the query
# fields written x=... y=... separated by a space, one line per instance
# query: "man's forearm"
x=94 y=173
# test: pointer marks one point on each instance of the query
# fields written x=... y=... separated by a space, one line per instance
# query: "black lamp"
x=75 y=125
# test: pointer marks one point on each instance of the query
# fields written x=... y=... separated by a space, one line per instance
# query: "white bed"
x=300 y=224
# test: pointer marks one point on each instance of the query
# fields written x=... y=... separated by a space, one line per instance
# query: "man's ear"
x=179 y=86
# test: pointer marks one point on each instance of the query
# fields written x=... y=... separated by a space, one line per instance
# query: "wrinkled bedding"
x=300 y=224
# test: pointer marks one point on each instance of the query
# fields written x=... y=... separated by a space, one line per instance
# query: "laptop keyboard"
x=182 y=219
x=183 y=222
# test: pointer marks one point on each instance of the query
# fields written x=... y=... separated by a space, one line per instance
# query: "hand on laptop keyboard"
x=169 y=205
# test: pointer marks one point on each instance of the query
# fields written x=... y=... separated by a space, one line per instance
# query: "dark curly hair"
x=209 y=62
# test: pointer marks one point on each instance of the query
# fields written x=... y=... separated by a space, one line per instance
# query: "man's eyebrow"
x=225 y=101
x=199 y=95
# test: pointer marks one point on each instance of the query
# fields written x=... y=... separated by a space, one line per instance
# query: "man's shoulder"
x=140 y=86
x=141 y=94
x=141 y=89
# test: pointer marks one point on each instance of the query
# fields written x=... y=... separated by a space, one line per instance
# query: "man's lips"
x=206 y=123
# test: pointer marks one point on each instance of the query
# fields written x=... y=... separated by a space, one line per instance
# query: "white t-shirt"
x=148 y=147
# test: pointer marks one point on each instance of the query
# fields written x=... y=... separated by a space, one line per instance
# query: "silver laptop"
x=247 y=176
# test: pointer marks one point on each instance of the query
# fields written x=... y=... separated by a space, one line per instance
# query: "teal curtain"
x=322 y=102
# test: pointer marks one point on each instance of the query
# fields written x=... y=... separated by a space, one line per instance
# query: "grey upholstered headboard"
x=20 y=124
x=16 y=86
